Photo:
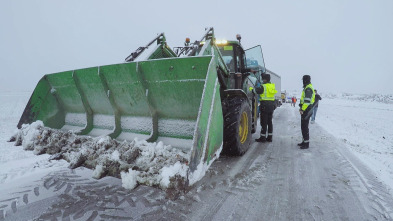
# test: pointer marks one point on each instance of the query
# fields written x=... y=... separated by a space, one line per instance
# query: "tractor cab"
x=232 y=54
x=239 y=60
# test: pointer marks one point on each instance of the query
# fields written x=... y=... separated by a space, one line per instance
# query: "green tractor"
x=199 y=97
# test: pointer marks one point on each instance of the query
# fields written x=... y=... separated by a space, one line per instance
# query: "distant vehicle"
x=283 y=96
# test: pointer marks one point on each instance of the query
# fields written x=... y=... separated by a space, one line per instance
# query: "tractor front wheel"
x=237 y=126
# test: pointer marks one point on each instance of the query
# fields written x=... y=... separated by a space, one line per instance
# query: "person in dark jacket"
x=306 y=106
x=315 y=109
x=266 y=107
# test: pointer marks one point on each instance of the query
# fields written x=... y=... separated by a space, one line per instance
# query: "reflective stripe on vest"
x=305 y=101
x=269 y=90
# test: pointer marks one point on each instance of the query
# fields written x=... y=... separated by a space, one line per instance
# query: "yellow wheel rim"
x=243 y=127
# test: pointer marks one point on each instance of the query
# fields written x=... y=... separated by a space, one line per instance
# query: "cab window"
x=227 y=53
x=255 y=59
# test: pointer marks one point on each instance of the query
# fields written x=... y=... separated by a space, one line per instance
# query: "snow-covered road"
x=333 y=180
x=278 y=181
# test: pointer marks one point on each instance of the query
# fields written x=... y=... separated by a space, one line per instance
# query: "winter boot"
x=301 y=144
x=305 y=146
x=269 y=138
x=262 y=139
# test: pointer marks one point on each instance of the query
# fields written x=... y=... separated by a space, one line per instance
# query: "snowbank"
x=136 y=162
x=380 y=98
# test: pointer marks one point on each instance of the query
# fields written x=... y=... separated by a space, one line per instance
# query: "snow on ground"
x=136 y=162
x=16 y=163
x=364 y=122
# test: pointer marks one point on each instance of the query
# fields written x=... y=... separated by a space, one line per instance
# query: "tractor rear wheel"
x=237 y=126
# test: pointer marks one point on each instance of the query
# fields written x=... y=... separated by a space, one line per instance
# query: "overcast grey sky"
x=346 y=46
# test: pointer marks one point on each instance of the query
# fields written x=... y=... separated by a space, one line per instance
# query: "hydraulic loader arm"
x=161 y=52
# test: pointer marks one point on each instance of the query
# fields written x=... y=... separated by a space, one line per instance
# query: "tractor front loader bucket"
x=173 y=100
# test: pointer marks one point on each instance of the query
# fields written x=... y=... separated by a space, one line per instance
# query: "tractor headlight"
x=221 y=42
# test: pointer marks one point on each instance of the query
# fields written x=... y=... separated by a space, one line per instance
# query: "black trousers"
x=266 y=123
x=305 y=131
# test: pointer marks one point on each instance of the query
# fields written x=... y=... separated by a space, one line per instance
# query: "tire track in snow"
x=364 y=179
x=313 y=184
x=78 y=198
x=243 y=174
x=352 y=175
x=247 y=168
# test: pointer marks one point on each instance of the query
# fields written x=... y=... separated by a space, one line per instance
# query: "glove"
x=259 y=90
x=300 y=111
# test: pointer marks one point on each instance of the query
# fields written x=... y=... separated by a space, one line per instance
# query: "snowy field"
x=361 y=122
x=364 y=122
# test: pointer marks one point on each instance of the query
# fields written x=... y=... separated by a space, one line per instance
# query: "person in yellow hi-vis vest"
x=306 y=110
x=266 y=108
